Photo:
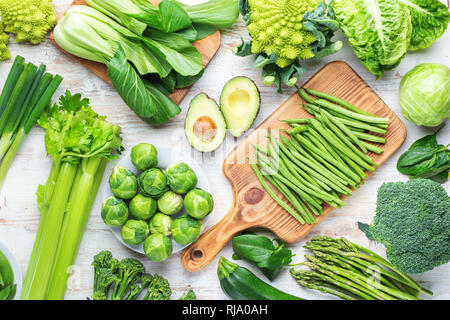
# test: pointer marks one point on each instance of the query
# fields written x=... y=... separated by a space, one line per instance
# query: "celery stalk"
x=74 y=226
x=51 y=232
x=44 y=197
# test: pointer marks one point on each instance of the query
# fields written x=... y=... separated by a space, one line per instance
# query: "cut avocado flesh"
x=239 y=103
x=204 y=126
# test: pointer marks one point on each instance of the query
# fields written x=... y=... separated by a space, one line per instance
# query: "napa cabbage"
x=429 y=19
x=378 y=30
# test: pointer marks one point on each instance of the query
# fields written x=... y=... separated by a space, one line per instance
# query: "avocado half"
x=239 y=102
x=205 y=126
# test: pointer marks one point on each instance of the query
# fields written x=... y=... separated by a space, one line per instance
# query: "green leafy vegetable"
x=141 y=96
x=378 y=30
x=261 y=250
x=424 y=98
x=208 y=17
x=429 y=19
x=425 y=158
x=80 y=143
x=413 y=222
x=7 y=285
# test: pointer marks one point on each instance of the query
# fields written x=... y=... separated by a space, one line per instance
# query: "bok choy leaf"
x=140 y=95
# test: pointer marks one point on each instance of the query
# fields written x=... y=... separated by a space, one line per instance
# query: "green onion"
x=26 y=92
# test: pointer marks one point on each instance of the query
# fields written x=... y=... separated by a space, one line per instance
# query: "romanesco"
x=4 y=39
x=29 y=20
x=276 y=26
x=284 y=32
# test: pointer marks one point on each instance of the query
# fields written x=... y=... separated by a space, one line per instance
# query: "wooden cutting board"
x=252 y=206
x=207 y=47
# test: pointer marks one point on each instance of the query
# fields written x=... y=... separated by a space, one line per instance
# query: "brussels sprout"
x=142 y=207
x=160 y=223
x=198 y=203
x=135 y=231
x=152 y=182
x=186 y=229
x=114 y=212
x=144 y=156
x=158 y=247
x=170 y=203
x=181 y=178
x=123 y=183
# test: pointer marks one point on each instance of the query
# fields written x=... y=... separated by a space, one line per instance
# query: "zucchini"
x=239 y=283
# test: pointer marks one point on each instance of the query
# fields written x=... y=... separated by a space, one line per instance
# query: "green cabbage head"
x=424 y=94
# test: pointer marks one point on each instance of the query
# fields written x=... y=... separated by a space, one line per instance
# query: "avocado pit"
x=205 y=128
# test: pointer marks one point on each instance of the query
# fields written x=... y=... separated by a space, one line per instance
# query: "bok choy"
x=147 y=49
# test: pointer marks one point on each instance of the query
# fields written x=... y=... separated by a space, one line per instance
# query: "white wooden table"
x=19 y=215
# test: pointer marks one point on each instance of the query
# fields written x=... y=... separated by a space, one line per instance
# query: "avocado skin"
x=210 y=109
x=254 y=92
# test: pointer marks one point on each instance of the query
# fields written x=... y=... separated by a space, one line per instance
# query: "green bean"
x=344 y=129
x=341 y=110
x=353 y=165
x=288 y=194
x=337 y=100
x=296 y=170
x=330 y=150
x=373 y=148
x=370 y=137
x=378 y=128
x=342 y=171
x=341 y=137
x=285 y=172
x=296 y=120
x=343 y=167
x=330 y=137
x=298 y=129
x=274 y=196
x=304 y=193
x=322 y=175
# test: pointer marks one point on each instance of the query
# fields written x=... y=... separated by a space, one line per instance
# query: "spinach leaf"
x=149 y=103
x=267 y=255
x=426 y=159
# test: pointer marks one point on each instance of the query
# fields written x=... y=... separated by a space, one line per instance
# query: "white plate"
x=166 y=156
x=16 y=269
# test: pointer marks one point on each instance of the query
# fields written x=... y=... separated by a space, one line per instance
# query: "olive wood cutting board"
x=252 y=206
x=207 y=47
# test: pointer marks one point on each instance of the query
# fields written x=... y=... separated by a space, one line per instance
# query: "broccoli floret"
x=130 y=272
x=105 y=274
x=4 y=39
x=413 y=222
x=29 y=20
x=158 y=289
x=190 y=295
